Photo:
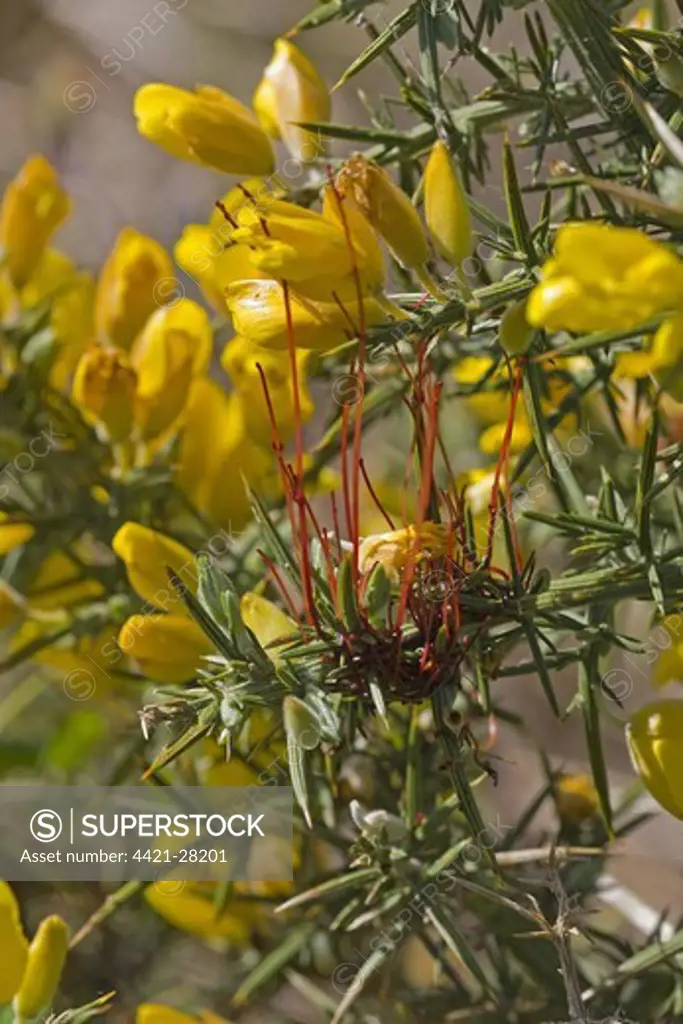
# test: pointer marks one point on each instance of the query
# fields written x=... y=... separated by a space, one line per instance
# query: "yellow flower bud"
x=388 y=209
x=206 y=127
x=446 y=209
x=393 y=550
x=515 y=331
x=576 y=798
x=104 y=390
x=136 y=280
x=174 y=347
x=665 y=358
x=148 y=554
x=33 y=206
x=655 y=735
x=290 y=91
x=240 y=358
x=258 y=312
x=13 y=946
x=13 y=535
x=266 y=621
x=168 y=648
x=46 y=959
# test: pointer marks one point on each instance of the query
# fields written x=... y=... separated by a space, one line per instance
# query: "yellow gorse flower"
x=576 y=798
x=394 y=550
x=654 y=735
x=13 y=535
x=168 y=647
x=136 y=280
x=33 y=207
x=44 y=966
x=155 y=1013
x=259 y=313
x=313 y=252
x=30 y=974
x=447 y=212
x=206 y=127
x=174 y=347
x=104 y=389
x=605 y=278
x=388 y=209
x=290 y=91
x=240 y=359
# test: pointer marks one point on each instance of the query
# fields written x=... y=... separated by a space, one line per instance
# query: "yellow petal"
x=13 y=535
x=13 y=946
x=46 y=960
x=104 y=388
x=655 y=735
x=388 y=209
x=136 y=280
x=196 y=914
x=168 y=648
x=148 y=555
x=266 y=621
x=292 y=91
x=154 y=1013
x=33 y=206
x=206 y=127
x=446 y=208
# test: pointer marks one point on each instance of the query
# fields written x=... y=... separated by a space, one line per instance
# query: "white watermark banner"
x=146 y=833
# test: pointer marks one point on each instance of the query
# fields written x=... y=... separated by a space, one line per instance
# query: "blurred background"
x=68 y=73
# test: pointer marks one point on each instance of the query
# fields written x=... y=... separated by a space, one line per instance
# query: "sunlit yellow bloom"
x=267 y=622
x=395 y=549
x=34 y=205
x=667 y=356
x=668 y=667
x=388 y=209
x=216 y=447
x=30 y=973
x=168 y=648
x=136 y=279
x=515 y=331
x=13 y=946
x=61 y=581
x=240 y=358
x=655 y=735
x=576 y=798
x=46 y=960
x=104 y=390
x=197 y=252
x=206 y=127
x=13 y=535
x=295 y=244
x=341 y=209
x=148 y=556
x=174 y=347
x=604 y=278
x=259 y=314
x=193 y=911
x=155 y=1013
x=292 y=91
x=447 y=212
